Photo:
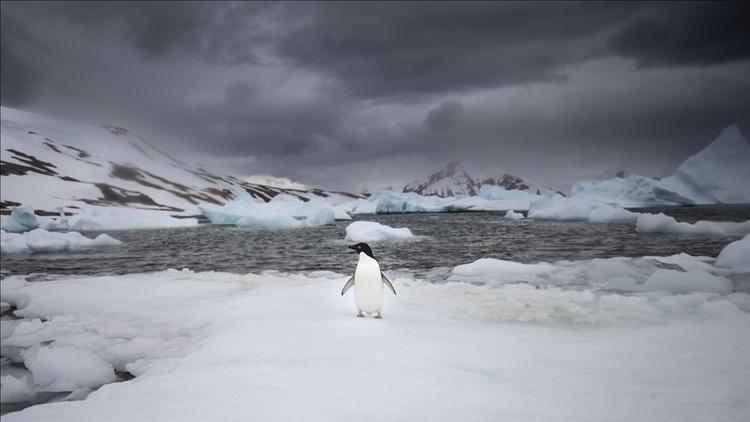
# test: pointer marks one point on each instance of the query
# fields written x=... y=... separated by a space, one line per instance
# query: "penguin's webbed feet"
x=360 y=314
x=379 y=315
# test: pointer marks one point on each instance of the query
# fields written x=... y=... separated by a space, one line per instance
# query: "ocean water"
x=442 y=240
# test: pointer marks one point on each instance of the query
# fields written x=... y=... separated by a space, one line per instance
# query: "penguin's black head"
x=362 y=247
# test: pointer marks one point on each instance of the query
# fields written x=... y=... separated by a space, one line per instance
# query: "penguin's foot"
x=360 y=314
x=379 y=315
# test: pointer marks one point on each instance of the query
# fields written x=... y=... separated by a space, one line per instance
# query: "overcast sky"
x=355 y=95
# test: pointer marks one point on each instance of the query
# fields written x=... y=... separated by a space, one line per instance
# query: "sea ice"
x=736 y=255
x=287 y=347
x=512 y=215
x=660 y=223
x=40 y=241
x=370 y=231
x=283 y=211
x=21 y=219
x=557 y=207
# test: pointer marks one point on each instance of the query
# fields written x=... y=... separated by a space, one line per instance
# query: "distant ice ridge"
x=718 y=174
x=557 y=207
x=283 y=211
x=42 y=241
x=370 y=231
x=248 y=336
x=389 y=202
x=660 y=223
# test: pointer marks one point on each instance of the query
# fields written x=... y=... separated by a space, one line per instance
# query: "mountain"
x=457 y=180
x=718 y=174
x=48 y=164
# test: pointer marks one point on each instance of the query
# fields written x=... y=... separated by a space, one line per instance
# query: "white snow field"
x=551 y=342
x=371 y=231
x=660 y=223
x=718 y=174
x=41 y=241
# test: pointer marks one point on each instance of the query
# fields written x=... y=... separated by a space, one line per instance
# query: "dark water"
x=444 y=240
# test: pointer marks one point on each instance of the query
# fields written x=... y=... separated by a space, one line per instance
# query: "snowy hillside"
x=458 y=180
x=718 y=174
x=49 y=164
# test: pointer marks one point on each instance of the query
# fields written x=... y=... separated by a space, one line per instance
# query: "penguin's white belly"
x=368 y=286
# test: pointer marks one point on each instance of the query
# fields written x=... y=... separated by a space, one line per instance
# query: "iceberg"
x=42 y=241
x=370 y=231
x=283 y=211
x=660 y=223
x=718 y=174
x=389 y=202
x=736 y=255
x=21 y=219
x=558 y=207
x=512 y=215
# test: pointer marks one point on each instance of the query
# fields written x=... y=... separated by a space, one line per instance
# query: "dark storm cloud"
x=415 y=47
x=670 y=34
x=444 y=117
x=315 y=90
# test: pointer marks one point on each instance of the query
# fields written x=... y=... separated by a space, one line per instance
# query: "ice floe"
x=41 y=241
x=371 y=231
x=557 y=207
x=287 y=346
x=660 y=223
x=283 y=211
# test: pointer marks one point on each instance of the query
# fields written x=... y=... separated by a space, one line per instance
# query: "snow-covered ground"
x=559 y=341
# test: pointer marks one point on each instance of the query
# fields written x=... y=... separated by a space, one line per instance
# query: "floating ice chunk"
x=283 y=211
x=633 y=191
x=660 y=223
x=340 y=213
x=736 y=255
x=65 y=368
x=512 y=215
x=682 y=282
x=22 y=219
x=40 y=241
x=370 y=231
x=101 y=219
x=557 y=207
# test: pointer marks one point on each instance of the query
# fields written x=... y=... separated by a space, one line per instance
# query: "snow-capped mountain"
x=50 y=164
x=458 y=180
x=718 y=174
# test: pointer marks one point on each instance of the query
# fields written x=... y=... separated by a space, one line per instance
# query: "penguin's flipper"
x=348 y=285
x=387 y=283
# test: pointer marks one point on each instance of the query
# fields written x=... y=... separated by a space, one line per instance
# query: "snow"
x=41 y=241
x=660 y=223
x=511 y=215
x=283 y=211
x=66 y=368
x=557 y=207
x=736 y=255
x=370 y=231
x=274 y=346
x=21 y=219
x=498 y=192
x=718 y=174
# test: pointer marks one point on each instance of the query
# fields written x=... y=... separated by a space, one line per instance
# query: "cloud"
x=444 y=117
x=689 y=33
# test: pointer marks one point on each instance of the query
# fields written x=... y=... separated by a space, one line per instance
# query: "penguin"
x=368 y=283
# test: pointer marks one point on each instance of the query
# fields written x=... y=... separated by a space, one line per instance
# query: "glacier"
x=718 y=174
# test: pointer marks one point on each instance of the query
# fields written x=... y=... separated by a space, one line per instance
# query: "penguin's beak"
x=353 y=247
